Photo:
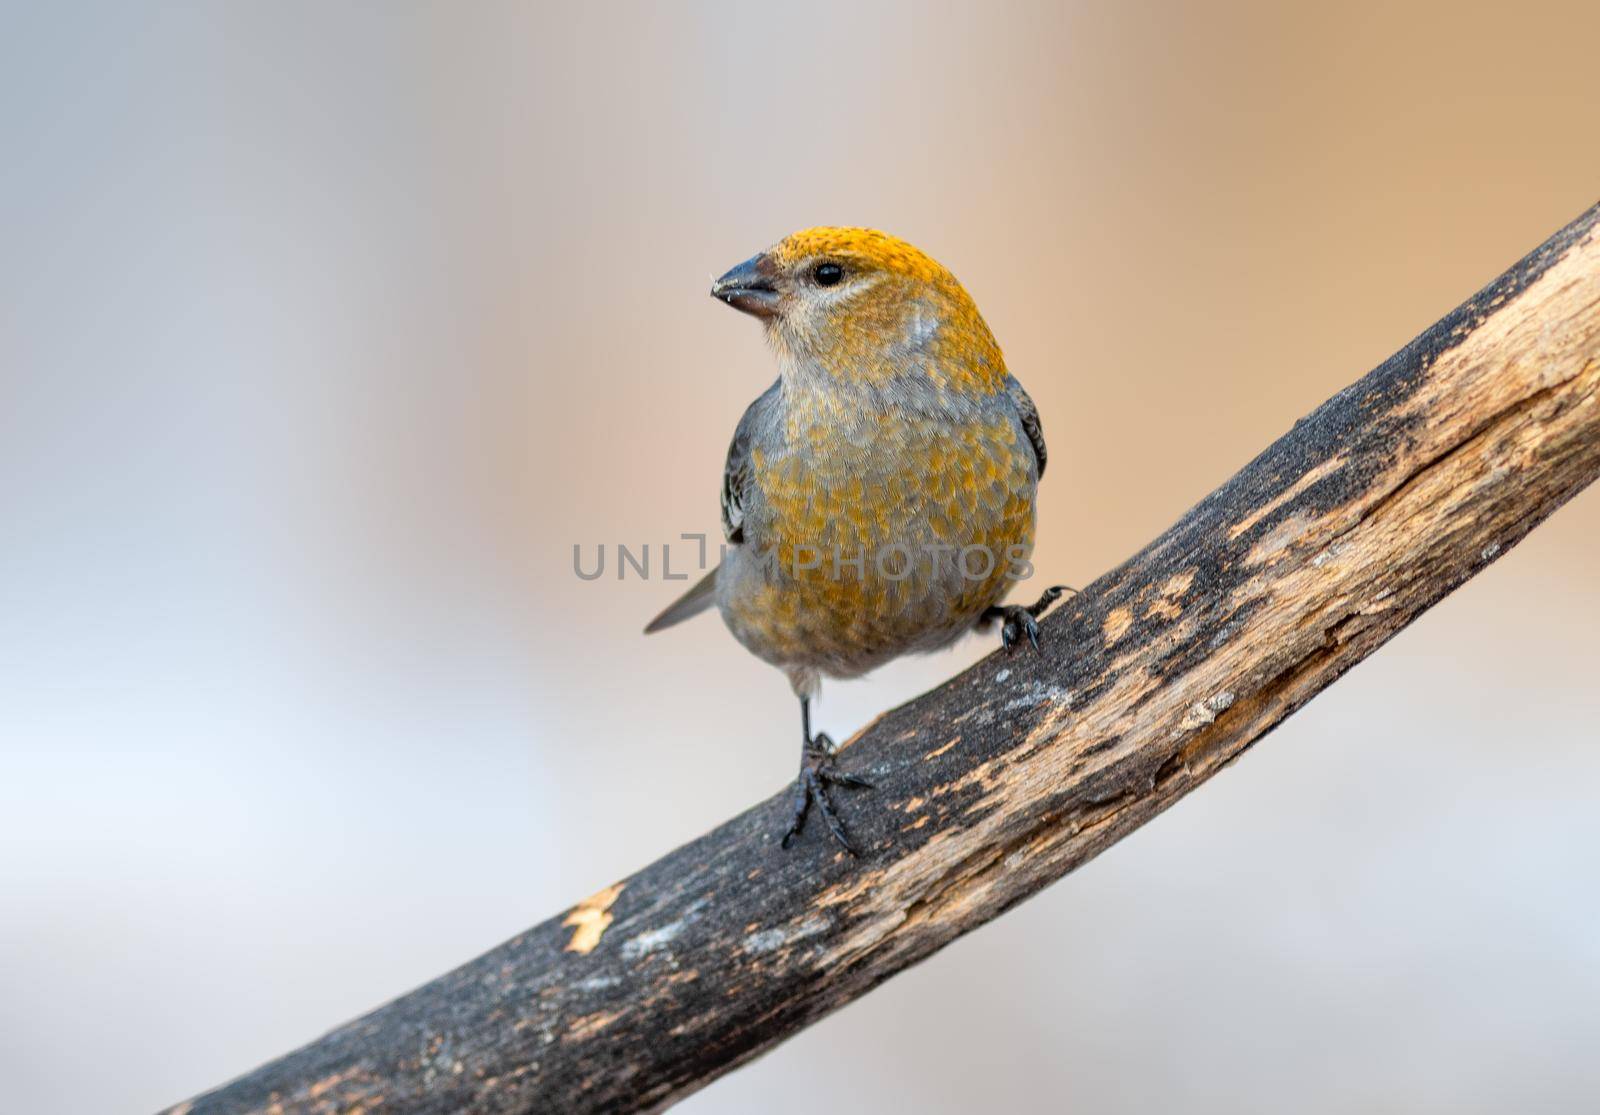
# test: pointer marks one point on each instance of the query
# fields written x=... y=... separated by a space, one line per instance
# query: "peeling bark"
x=1010 y=775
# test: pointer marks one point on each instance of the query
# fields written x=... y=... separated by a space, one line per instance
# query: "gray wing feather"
x=735 y=482
x=736 y=473
x=1030 y=419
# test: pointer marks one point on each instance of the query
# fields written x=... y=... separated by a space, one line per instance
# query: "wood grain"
x=1010 y=775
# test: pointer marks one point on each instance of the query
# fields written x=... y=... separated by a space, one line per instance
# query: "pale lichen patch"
x=1039 y=693
x=1332 y=553
x=650 y=940
x=1204 y=712
x=770 y=940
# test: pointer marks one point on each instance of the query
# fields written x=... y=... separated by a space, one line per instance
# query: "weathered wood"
x=1012 y=774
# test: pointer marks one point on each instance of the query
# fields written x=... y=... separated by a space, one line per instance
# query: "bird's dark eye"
x=826 y=274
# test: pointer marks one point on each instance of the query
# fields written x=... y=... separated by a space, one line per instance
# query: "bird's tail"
x=691 y=603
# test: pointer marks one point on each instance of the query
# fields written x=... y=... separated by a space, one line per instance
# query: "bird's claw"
x=817 y=773
x=1017 y=620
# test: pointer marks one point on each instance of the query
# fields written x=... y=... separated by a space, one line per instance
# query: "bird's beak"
x=750 y=287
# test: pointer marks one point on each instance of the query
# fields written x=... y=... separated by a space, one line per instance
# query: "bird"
x=878 y=499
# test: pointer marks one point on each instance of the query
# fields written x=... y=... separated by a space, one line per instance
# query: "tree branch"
x=1005 y=778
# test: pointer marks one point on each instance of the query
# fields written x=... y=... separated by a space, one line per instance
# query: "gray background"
x=326 y=331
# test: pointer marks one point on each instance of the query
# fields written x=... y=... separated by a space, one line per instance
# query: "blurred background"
x=326 y=331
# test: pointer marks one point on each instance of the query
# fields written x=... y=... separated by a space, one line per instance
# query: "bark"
x=1008 y=776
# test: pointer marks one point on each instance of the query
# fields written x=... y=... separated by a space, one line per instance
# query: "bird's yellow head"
x=858 y=304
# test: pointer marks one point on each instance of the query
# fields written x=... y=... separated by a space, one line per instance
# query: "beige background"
x=327 y=330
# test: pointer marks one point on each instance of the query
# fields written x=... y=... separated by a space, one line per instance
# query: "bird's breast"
x=879 y=528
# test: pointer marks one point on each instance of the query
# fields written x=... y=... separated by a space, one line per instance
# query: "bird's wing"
x=736 y=473
x=735 y=481
x=1030 y=419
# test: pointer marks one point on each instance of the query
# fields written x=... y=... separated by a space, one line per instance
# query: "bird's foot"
x=817 y=773
x=1019 y=620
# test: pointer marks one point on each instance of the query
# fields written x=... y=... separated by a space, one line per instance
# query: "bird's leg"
x=817 y=773
x=1017 y=620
